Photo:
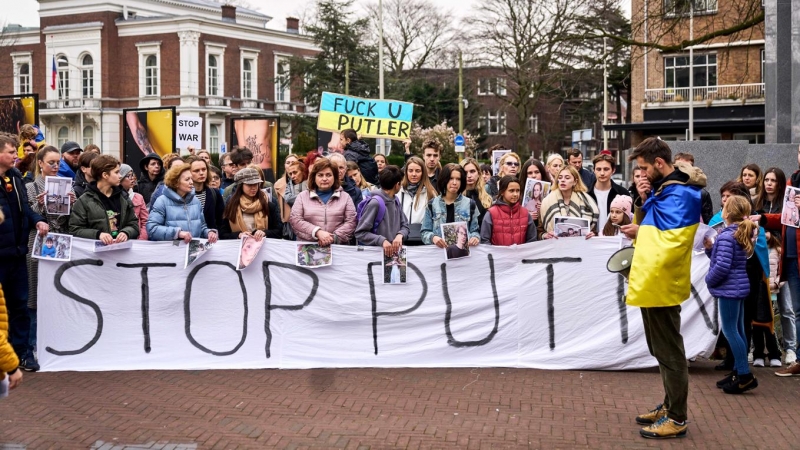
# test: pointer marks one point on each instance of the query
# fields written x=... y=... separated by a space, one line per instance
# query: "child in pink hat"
x=620 y=214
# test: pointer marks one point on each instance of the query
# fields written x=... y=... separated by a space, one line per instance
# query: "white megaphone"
x=620 y=262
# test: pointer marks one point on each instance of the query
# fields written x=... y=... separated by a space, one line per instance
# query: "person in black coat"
x=358 y=151
x=152 y=173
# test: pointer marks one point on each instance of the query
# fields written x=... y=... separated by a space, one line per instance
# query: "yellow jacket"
x=8 y=358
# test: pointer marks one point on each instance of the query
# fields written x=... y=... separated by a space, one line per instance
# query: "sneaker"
x=664 y=428
x=721 y=383
x=792 y=371
x=790 y=357
x=741 y=384
x=758 y=362
x=750 y=357
x=775 y=362
x=652 y=416
x=29 y=365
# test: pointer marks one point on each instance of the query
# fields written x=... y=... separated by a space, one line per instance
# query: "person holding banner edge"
x=660 y=275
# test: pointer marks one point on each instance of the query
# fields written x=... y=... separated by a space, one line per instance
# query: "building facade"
x=727 y=97
x=90 y=59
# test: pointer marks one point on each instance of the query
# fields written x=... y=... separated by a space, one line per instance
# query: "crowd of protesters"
x=354 y=198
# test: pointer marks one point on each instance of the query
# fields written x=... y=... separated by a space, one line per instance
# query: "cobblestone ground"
x=385 y=408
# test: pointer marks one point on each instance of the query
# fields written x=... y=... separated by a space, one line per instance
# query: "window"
x=88 y=136
x=24 y=78
x=62 y=77
x=494 y=122
x=151 y=76
x=676 y=71
x=282 y=92
x=762 y=65
x=684 y=7
x=212 y=85
x=87 y=76
x=247 y=78
x=215 y=71
x=533 y=123
x=492 y=86
x=754 y=138
x=63 y=136
x=213 y=138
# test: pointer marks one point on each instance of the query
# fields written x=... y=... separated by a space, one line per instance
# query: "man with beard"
x=660 y=276
x=70 y=152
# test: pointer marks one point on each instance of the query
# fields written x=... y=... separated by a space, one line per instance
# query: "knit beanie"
x=124 y=170
x=623 y=202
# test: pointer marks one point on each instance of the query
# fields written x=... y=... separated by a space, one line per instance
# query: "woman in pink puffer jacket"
x=323 y=213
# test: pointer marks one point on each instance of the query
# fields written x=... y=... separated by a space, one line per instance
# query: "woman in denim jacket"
x=450 y=206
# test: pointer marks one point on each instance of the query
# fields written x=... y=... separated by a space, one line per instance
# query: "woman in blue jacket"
x=178 y=214
x=727 y=279
x=450 y=206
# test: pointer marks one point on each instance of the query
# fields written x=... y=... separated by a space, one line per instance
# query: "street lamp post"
x=381 y=141
x=605 y=95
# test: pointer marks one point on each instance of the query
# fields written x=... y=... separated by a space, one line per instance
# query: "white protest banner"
x=189 y=132
x=549 y=305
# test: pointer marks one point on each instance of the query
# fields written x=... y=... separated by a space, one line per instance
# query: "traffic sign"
x=459 y=140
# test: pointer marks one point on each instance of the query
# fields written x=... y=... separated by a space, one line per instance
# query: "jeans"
x=788 y=327
x=790 y=268
x=14 y=282
x=662 y=329
x=731 y=313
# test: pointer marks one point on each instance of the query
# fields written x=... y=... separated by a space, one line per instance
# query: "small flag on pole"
x=53 y=75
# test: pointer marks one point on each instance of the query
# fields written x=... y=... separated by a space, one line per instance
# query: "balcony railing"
x=71 y=103
x=284 y=106
x=710 y=95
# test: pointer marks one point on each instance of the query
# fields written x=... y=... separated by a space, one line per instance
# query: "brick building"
x=205 y=59
x=728 y=95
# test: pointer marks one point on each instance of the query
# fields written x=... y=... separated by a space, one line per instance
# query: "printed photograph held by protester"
x=450 y=206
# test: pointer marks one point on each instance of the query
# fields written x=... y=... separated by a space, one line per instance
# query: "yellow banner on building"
x=388 y=119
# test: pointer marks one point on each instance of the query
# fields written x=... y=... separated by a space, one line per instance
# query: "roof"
x=217 y=5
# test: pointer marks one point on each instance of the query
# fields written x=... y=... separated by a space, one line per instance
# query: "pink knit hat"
x=623 y=202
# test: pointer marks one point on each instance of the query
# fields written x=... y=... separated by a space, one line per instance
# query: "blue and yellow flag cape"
x=661 y=269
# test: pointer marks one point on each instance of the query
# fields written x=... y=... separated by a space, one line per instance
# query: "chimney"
x=228 y=13
x=293 y=25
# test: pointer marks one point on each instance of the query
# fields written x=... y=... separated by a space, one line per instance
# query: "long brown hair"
x=759 y=176
x=738 y=212
x=780 y=189
x=610 y=230
x=430 y=191
x=233 y=203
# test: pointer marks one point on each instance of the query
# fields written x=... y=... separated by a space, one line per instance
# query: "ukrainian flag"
x=661 y=269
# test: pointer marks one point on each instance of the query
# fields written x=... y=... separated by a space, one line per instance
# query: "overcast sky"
x=25 y=12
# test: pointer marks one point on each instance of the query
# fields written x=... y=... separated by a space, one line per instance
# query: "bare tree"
x=534 y=43
x=415 y=32
x=237 y=3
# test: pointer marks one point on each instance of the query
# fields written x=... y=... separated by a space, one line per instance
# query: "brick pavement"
x=384 y=408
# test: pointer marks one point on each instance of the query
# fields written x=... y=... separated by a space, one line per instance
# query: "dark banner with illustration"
x=147 y=131
x=260 y=136
x=18 y=110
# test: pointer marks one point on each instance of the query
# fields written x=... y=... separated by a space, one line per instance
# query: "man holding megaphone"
x=667 y=217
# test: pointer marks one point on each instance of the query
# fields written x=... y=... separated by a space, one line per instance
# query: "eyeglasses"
x=9 y=186
x=512 y=164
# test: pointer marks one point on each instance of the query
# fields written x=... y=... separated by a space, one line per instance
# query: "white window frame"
x=22 y=82
x=213 y=141
x=87 y=76
x=673 y=66
x=483 y=86
x=218 y=51
x=286 y=93
x=62 y=77
x=147 y=49
x=61 y=140
x=533 y=124
x=495 y=122
x=701 y=8
x=90 y=136
x=500 y=86
x=252 y=56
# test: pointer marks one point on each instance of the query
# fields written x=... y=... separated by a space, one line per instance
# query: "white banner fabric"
x=547 y=305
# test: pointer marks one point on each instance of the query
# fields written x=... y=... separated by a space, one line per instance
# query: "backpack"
x=362 y=206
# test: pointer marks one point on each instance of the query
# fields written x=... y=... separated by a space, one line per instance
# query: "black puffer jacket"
x=358 y=151
x=79 y=184
x=20 y=218
x=145 y=185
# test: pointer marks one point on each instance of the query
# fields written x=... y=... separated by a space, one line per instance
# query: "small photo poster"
x=535 y=192
x=268 y=192
x=314 y=256
x=394 y=267
x=99 y=247
x=456 y=236
x=564 y=227
x=196 y=249
x=496 y=155
x=790 y=216
x=248 y=250
x=54 y=246
x=57 y=200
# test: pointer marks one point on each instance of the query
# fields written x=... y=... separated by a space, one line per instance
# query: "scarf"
x=412 y=189
x=249 y=206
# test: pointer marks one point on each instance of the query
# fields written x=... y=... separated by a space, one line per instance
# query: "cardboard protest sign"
x=189 y=132
x=390 y=119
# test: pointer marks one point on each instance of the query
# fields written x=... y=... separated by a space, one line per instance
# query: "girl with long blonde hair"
x=416 y=191
x=476 y=189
